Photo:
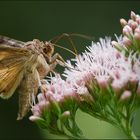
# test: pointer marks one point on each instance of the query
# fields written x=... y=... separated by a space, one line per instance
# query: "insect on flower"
x=22 y=66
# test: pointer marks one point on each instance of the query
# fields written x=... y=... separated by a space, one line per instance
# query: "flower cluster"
x=55 y=110
x=103 y=81
x=131 y=33
x=110 y=78
x=103 y=65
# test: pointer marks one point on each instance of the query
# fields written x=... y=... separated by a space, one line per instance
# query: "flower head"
x=58 y=91
x=58 y=104
x=103 y=64
x=111 y=78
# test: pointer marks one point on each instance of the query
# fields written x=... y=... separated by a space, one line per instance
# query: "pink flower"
x=104 y=64
x=58 y=90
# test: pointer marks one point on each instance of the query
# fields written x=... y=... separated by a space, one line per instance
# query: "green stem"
x=128 y=131
x=125 y=123
x=128 y=126
x=133 y=136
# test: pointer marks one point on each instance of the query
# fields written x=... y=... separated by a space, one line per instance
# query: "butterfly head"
x=40 y=47
x=48 y=49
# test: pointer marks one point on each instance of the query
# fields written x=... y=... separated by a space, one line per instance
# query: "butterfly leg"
x=28 y=88
x=56 y=59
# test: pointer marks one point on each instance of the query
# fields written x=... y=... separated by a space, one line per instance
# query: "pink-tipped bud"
x=137 y=36
x=123 y=22
x=137 y=16
x=133 y=25
x=117 y=87
x=34 y=118
x=138 y=20
x=126 y=95
x=66 y=113
x=133 y=15
x=137 y=30
x=130 y=21
x=127 y=30
x=127 y=41
x=115 y=43
x=103 y=83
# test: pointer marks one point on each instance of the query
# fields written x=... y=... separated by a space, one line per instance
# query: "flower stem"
x=130 y=134
x=123 y=122
x=128 y=131
x=133 y=136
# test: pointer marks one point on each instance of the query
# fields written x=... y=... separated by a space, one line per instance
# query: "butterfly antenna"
x=65 y=35
x=82 y=36
x=59 y=46
x=68 y=36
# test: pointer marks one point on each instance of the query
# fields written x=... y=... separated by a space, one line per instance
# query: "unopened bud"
x=130 y=21
x=123 y=22
x=133 y=15
x=34 y=118
x=127 y=41
x=137 y=30
x=66 y=113
x=138 y=20
x=127 y=30
x=137 y=36
x=133 y=25
x=64 y=116
x=126 y=94
x=115 y=43
x=117 y=87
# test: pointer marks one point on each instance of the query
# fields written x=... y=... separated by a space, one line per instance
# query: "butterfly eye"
x=45 y=50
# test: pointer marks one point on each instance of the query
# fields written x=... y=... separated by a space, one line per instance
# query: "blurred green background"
x=26 y=20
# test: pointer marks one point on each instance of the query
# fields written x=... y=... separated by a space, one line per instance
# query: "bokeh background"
x=26 y=20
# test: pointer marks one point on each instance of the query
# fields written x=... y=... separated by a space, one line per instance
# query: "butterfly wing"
x=11 y=42
x=12 y=67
